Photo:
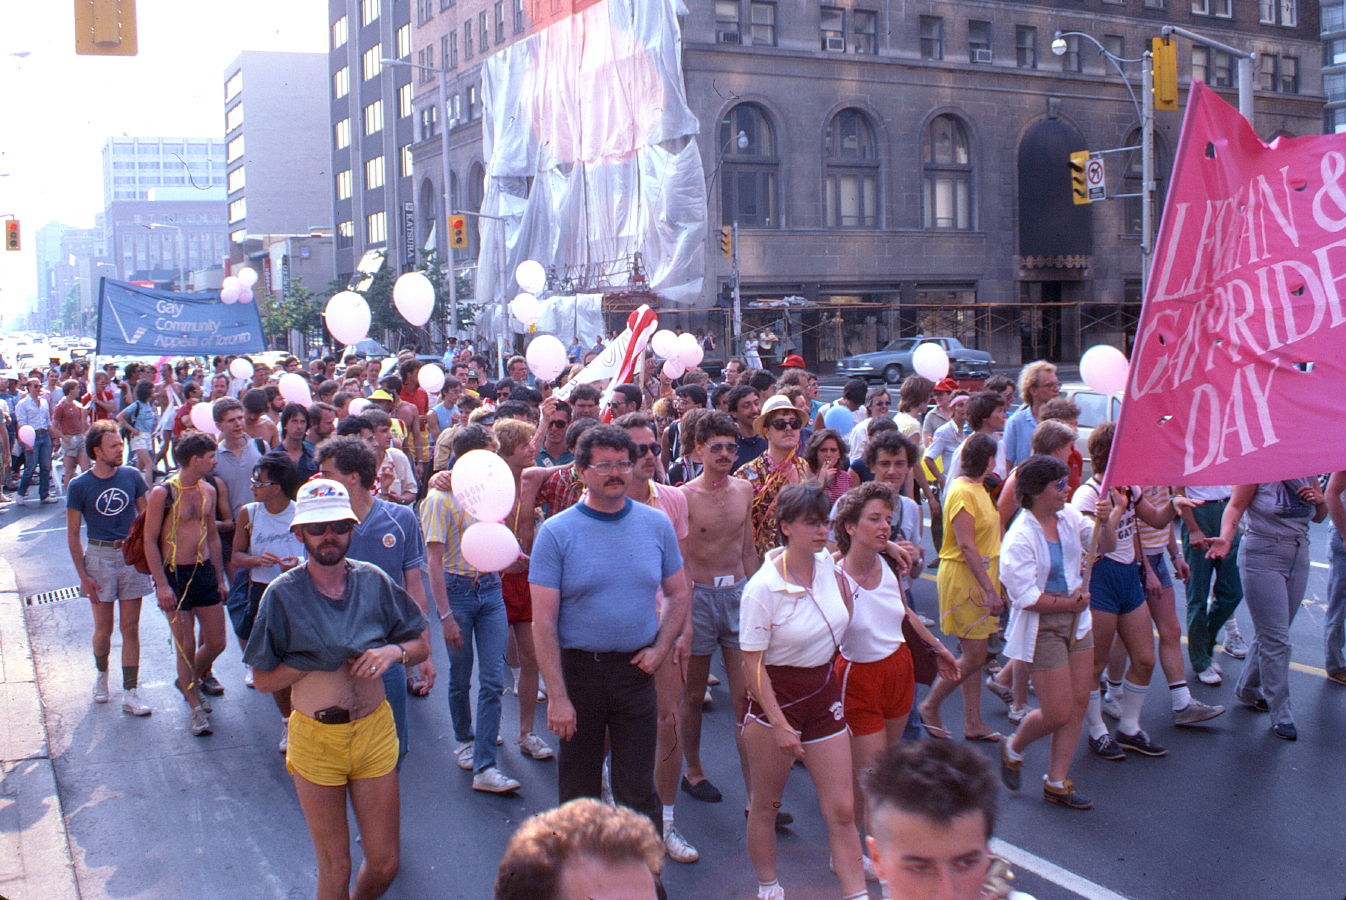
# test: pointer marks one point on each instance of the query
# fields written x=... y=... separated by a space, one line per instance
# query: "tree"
x=297 y=308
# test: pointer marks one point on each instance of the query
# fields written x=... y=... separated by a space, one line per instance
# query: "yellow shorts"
x=332 y=755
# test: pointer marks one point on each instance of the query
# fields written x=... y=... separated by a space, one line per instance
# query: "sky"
x=58 y=108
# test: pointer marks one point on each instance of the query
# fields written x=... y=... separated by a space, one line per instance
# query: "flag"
x=617 y=362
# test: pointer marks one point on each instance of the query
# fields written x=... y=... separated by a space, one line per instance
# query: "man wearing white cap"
x=328 y=630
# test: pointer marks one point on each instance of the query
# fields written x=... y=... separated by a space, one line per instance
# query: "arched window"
x=428 y=216
x=852 y=162
x=748 y=166
x=947 y=163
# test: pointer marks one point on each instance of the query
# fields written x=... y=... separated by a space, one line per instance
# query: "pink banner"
x=1239 y=372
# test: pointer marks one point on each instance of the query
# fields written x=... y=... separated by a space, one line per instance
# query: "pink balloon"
x=673 y=368
x=358 y=405
x=203 y=418
x=245 y=294
x=1104 y=368
x=489 y=546
x=294 y=388
x=27 y=436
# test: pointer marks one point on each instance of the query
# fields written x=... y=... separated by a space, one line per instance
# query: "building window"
x=404 y=100
x=832 y=29
x=238 y=209
x=467 y=39
x=374 y=173
x=425 y=11
x=1026 y=46
x=404 y=161
x=932 y=37
x=518 y=16
x=1334 y=17
x=852 y=171
x=1334 y=121
x=865 y=31
x=341 y=82
x=947 y=164
x=483 y=36
x=726 y=22
x=1279 y=74
x=1334 y=86
x=499 y=21
x=1224 y=9
x=1279 y=12
x=374 y=117
x=1071 y=61
x=763 y=24
x=425 y=60
x=345 y=235
x=457 y=116
x=1152 y=4
x=404 y=42
x=451 y=59
x=376 y=227
x=1215 y=67
x=370 y=63
x=343 y=134
x=472 y=110
x=978 y=41
x=429 y=117
x=234 y=150
x=446 y=4
x=340 y=32
x=234 y=86
x=369 y=11
x=237 y=180
x=1115 y=44
x=343 y=184
x=748 y=168
x=1334 y=52
x=233 y=118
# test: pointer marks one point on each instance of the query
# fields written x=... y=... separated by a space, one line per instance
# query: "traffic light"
x=1164 y=57
x=105 y=27
x=727 y=241
x=1079 y=190
x=457 y=231
x=12 y=235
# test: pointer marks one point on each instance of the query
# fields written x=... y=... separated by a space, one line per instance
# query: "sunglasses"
x=318 y=529
x=724 y=449
x=784 y=425
x=1062 y=484
x=642 y=449
x=558 y=423
x=262 y=484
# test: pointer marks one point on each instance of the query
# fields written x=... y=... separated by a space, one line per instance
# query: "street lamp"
x=182 y=250
x=1245 y=58
x=445 y=173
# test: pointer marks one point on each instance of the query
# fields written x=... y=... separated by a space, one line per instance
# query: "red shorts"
x=810 y=699
x=518 y=599
x=876 y=692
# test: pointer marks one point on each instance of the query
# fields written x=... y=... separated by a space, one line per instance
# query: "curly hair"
x=852 y=505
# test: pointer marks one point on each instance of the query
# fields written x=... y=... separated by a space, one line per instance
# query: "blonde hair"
x=1030 y=375
x=512 y=434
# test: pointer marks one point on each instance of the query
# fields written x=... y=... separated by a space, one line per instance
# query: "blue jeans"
x=1334 y=629
x=40 y=456
x=479 y=609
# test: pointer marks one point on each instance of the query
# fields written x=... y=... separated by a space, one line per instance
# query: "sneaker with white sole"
x=1017 y=714
x=1210 y=676
x=131 y=703
x=284 y=745
x=775 y=892
x=464 y=755
x=1196 y=712
x=535 y=747
x=199 y=724
x=247 y=677
x=493 y=781
x=1233 y=643
x=677 y=848
x=100 y=694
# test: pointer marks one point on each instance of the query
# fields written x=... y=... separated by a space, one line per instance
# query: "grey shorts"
x=715 y=617
x=115 y=579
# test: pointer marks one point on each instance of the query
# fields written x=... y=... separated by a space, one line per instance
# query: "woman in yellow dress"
x=969 y=587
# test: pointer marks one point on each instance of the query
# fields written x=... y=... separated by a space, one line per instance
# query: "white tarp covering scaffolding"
x=592 y=156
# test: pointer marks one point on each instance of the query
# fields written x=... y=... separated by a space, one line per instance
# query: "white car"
x=1095 y=409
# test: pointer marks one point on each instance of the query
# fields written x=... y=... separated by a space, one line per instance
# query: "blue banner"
x=142 y=321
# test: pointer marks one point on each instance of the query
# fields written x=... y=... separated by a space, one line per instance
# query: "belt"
x=601 y=655
x=94 y=542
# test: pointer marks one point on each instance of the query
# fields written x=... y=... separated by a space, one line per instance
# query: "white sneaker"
x=708 y=699
x=198 y=722
x=677 y=848
x=131 y=704
x=775 y=892
x=100 y=694
x=493 y=781
x=1209 y=676
x=712 y=679
x=284 y=745
x=464 y=754
x=247 y=677
x=535 y=747
x=50 y=499
x=1219 y=669
x=1233 y=642
x=1017 y=714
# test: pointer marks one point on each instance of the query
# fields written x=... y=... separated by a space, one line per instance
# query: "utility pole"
x=1147 y=185
x=738 y=299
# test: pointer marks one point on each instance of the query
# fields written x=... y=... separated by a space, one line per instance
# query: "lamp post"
x=736 y=327
x=1145 y=113
x=182 y=250
x=446 y=175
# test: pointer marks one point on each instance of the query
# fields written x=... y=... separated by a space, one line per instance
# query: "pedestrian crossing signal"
x=457 y=231
x=1079 y=188
x=12 y=241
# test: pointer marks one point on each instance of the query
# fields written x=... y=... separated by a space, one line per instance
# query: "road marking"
x=1318 y=565
x=40 y=531
x=1078 y=884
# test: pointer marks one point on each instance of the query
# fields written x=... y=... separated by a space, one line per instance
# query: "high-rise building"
x=134 y=165
x=277 y=165
x=1333 y=14
x=370 y=131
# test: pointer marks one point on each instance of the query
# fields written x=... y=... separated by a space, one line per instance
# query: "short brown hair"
x=1051 y=435
x=852 y=505
x=1059 y=408
x=93 y=438
x=1100 y=446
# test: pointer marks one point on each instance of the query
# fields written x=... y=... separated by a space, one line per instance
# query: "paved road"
x=156 y=813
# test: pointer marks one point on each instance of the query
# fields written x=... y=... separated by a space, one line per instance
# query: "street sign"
x=1093 y=178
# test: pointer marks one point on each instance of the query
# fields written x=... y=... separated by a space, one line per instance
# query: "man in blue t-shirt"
x=599 y=638
x=107 y=498
x=388 y=535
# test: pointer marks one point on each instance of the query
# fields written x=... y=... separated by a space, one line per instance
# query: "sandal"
x=989 y=737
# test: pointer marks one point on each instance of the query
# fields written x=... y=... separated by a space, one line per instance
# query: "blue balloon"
x=839 y=419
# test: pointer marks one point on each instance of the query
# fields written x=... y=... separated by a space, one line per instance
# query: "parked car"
x=893 y=362
x=1095 y=409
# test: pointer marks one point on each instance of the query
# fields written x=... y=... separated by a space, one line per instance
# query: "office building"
x=132 y=166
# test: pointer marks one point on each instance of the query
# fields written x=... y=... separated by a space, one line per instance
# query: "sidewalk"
x=35 y=857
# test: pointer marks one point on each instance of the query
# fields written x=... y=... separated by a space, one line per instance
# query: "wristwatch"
x=404 y=653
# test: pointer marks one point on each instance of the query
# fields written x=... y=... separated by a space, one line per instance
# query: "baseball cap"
x=793 y=361
x=946 y=385
x=322 y=500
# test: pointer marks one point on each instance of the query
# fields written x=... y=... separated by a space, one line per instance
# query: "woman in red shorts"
x=793 y=614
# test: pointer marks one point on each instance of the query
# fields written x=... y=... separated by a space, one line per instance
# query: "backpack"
x=133 y=547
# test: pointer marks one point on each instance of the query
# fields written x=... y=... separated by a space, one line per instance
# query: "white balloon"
x=489 y=546
x=245 y=294
x=431 y=378
x=294 y=388
x=689 y=350
x=1104 y=368
x=247 y=276
x=414 y=297
x=27 y=436
x=546 y=356
x=231 y=281
x=203 y=417
x=229 y=293
x=525 y=308
x=673 y=368
x=484 y=485
x=531 y=277
x=347 y=316
x=930 y=361
x=664 y=343
x=358 y=405
x=240 y=368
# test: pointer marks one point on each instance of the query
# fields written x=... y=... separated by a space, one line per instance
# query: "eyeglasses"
x=557 y=423
x=262 y=484
x=318 y=529
x=784 y=425
x=642 y=449
x=1062 y=483
x=722 y=449
x=610 y=468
